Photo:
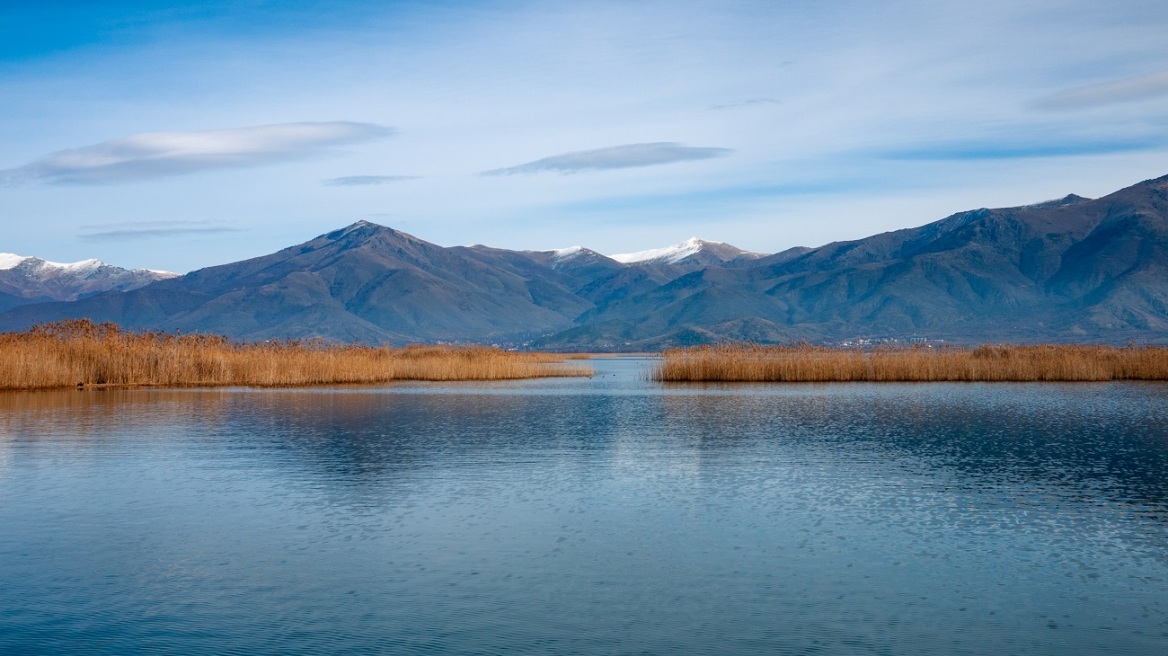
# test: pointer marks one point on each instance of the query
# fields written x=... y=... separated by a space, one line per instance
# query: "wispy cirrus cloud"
x=363 y=180
x=1132 y=89
x=615 y=157
x=707 y=200
x=152 y=229
x=165 y=154
x=743 y=104
x=1020 y=149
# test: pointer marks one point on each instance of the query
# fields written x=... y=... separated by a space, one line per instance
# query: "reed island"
x=81 y=353
x=1006 y=363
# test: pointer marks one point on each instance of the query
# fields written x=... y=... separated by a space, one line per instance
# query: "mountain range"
x=1073 y=269
x=25 y=280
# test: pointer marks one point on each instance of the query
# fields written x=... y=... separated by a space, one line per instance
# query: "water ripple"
x=606 y=515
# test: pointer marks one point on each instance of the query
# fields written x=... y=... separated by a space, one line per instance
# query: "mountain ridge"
x=695 y=248
x=1071 y=269
x=29 y=279
x=1033 y=272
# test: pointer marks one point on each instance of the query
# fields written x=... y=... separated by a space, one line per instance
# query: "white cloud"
x=164 y=154
x=615 y=157
x=946 y=88
x=1132 y=89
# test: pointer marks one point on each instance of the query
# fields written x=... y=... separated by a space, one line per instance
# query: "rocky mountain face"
x=25 y=280
x=1074 y=269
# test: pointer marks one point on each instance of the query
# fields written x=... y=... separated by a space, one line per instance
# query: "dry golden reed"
x=806 y=363
x=80 y=352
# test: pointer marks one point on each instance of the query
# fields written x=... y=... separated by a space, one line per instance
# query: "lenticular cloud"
x=163 y=154
x=615 y=157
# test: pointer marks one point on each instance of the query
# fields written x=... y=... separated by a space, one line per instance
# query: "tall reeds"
x=82 y=353
x=806 y=363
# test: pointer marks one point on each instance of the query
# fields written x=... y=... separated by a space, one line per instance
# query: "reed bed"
x=83 y=353
x=806 y=363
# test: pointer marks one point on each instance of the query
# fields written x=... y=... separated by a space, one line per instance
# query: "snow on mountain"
x=11 y=261
x=693 y=246
x=35 y=279
x=669 y=254
x=578 y=257
x=565 y=253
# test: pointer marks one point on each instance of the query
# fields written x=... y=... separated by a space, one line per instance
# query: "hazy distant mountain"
x=26 y=280
x=1073 y=269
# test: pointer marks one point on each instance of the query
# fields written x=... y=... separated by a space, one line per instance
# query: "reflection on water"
x=601 y=515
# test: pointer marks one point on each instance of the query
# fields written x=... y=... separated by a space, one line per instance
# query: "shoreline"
x=748 y=363
x=81 y=354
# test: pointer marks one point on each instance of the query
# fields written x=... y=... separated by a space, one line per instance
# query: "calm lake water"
x=596 y=516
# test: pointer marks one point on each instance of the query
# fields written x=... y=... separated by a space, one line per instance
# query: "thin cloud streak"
x=152 y=230
x=742 y=104
x=164 y=154
x=615 y=157
x=364 y=180
x=1008 y=150
x=1132 y=89
x=667 y=207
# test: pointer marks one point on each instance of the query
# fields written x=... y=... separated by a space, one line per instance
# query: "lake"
x=587 y=516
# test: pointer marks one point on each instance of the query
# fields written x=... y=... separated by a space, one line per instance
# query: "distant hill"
x=25 y=280
x=1073 y=269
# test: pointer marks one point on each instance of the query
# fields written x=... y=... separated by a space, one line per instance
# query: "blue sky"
x=175 y=135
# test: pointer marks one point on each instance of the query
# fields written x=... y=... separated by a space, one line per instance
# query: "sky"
x=179 y=135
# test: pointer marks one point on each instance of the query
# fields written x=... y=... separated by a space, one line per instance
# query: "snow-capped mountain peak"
x=715 y=250
x=670 y=254
x=83 y=265
x=565 y=253
x=12 y=260
x=33 y=278
x=575 y=256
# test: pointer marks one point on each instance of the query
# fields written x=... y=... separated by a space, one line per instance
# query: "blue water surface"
x=587 y=516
